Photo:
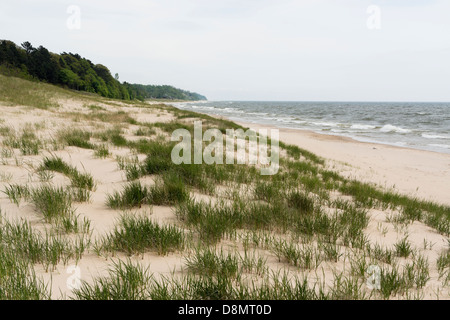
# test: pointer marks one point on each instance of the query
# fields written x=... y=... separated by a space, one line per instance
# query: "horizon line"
x=352 y=101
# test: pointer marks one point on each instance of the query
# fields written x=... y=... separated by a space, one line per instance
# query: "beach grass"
x=76 y=138
x=20 y=92
x=138 y=234
x=126 y=281
x=32 y=246
x=18 y=280
x=52 y=202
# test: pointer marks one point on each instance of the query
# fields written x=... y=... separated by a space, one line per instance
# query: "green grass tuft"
x=137 y=234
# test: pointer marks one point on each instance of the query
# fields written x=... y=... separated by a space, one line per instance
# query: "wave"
x=285 y=120
x=390 y=128
x=326 y=124
x=444 y=146
x=203 y=107
x=434 y=136
x=299 y=121
x=258 y=113
x=362 y=127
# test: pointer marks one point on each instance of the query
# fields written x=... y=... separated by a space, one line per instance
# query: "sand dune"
x=417 y=173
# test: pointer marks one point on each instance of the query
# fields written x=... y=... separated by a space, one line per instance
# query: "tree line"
x=75 y=72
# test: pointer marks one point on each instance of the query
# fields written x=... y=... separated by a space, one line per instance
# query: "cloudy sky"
x=326 y=50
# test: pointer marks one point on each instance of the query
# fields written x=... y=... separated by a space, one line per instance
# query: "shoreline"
x=423 y=174
x=418 y=173
x=309 y=131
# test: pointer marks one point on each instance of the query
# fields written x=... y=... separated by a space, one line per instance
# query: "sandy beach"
x=421 y=174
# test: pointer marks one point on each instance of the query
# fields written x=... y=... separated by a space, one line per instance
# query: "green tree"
x=69 y=78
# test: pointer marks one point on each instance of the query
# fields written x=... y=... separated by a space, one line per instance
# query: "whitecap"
x=325 y=124
x=433 y=136
x=391 y=128
x=444 y=146
x=258 y=113
x=362 y=127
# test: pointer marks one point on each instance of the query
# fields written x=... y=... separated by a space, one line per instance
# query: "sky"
x=284 y=50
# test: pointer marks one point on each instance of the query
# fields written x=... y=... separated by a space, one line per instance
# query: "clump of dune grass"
x=56 y=164
x=352 y=221
x=81 y=183
x=105 y=135
x=403 y=248
x=210 y=262
x=379 y=253
x=210 y=222
x=267 y=190
x=305 y=257
x=421 y=271
x=35 y=247
x=133 y=171
x=300 y=202
x=137 y=234
x=72 y=224
x=52 y=202
x=133 y=194
x=77 y=138
x=17 y=192
x=118 y=140
x=443 y=266
x=126 y=281
x=124 y=162
x=411 y=213
x=79 y=194
x=347 y=288
x=45 y=175
x=167 y=190
x=102 y=151
x=27 y=142
x=149 y=131
x=18 y=280
x=5 y=154
x=82 y=180
x=158 y=156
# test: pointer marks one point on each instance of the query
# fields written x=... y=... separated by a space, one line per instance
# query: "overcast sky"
x=254 y=49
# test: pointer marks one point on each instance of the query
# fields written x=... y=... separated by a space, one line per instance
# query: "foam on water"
x=391 y=128
x=434 y=136
x=362 y=126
